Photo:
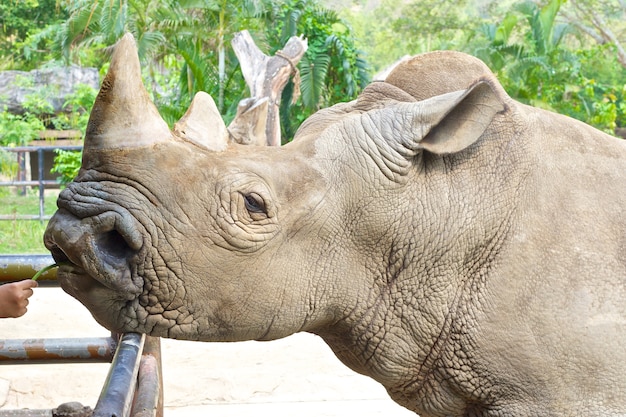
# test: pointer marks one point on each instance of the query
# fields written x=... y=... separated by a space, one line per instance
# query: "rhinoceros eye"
x=254 y=203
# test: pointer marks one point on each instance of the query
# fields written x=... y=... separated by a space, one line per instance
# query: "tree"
x=531 y=59
x=529 y=49
x=165 y=32
x=396 y=28
x=101 y=23
x=375 y=33
x=20 y=19
x=200 y=32
x=332 y=70
x=602 y=21
x=184 y=46
x=435 y=24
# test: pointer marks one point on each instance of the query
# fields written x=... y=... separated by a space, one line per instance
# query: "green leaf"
x=43 y=270
x=312 y=80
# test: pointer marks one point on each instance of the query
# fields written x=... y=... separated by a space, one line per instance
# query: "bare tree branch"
x=602 y=33
x=608 y=35
x=588 y=30
x=266 y=76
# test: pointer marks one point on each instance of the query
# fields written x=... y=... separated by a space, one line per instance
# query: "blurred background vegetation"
x=564 y=56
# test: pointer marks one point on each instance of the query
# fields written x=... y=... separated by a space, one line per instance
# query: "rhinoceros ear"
x=443 y=124
x=123 y=115
x=457 y=120
x=203 y=124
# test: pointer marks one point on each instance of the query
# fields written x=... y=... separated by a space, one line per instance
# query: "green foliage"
x=76 y=109
x=184 y=47
x=313 y=72
x=20 y=19
x=8 y=164
x=439 y=24
x=101 y=23
x=397 y=28
x=18 y=130
x=197 y=56
x=526 y=50
x=67 y=164
x=23 y=236
x=529 y=60
x=333 y=70
x=78 y=106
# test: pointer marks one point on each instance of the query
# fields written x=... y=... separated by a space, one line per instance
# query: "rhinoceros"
x=466 y=251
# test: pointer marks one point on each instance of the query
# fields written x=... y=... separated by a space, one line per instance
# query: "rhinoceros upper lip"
x=103 y=248
x=75 y=273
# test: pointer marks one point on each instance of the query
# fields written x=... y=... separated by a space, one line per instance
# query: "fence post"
x=22 y=183
x=21 y=170
x=41 y=186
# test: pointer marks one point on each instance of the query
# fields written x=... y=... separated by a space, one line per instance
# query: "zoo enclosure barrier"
x=41 y=182
x=134 y=384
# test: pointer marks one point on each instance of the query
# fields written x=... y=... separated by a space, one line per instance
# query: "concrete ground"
x=298 y=375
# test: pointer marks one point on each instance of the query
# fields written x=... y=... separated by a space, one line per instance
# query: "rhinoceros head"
x=182 y=234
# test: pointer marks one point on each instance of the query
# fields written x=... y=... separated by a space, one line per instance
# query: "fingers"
x=24 y=289
x=26 y=294
x=21 y=308
x=26 y=284
x=14 y=298
x=27 y=289
x=29 y=284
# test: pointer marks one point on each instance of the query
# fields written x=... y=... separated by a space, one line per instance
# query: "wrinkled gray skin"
x=466 y=251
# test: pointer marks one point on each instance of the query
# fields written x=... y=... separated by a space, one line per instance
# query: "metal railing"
x=41 y=182
x=134 y=384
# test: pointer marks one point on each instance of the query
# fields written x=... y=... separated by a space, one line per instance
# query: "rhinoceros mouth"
x=99 y=249
x=72 y=278
x=75 y=279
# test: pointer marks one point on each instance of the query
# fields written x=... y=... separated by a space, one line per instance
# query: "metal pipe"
x=148 y=401
x=45 y=351
x=28 y=183
x=19 y=267
x=13 y=217
x=26 y=413
x=34 y=148
x=117 y=394
x=145 y=401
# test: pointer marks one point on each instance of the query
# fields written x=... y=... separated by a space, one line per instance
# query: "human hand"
x=14 y=297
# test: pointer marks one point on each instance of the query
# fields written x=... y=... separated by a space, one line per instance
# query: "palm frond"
x=199 y=73
x=363 y=70
x=312 y=80
x=149 y=42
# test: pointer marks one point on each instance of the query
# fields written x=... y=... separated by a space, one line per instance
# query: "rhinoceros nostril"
x=112 y=246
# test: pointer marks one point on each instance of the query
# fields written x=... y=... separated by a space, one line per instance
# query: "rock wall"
x=56 y=84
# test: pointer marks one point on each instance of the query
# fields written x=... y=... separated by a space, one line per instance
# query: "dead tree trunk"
x=257 y=120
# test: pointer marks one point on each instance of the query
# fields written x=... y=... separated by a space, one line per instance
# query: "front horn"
x=123 y=115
